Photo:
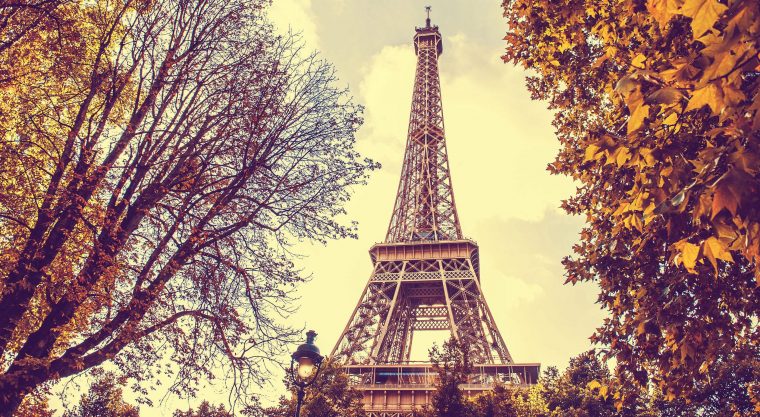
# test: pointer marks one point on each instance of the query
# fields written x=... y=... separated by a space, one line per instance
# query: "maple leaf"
x=709 y=95
x=638 y=61
x=636 y=119
x=703 y=14
x=689 y=253
x=714 y=249
x=663 y=10
x=726 y=196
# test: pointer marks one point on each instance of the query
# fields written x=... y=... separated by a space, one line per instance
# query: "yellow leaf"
x=741 y=19
x=726 y=52
x=636 y=119
x=603 y=391
x=714 y=249
x=638 y=62
x=622 y=155
x=636 y=221
x=622 y=208
x=689 y=254
x=703 y=14
x=591 y=151
x=709 y=95
x=648 y=158
x=671 y=120
x=663 y=10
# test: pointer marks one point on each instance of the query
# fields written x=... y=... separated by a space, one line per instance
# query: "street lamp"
x=306 y=357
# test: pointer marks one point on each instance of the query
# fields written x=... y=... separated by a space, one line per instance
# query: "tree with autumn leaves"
x=104 y=399
x=156 y=160
x=658 y=112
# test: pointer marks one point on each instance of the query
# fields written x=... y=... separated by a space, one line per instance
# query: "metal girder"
x=431 y=325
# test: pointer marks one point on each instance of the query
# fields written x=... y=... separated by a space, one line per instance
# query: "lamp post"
x=303 y=374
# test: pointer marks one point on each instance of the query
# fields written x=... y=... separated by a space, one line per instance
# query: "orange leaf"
x=636 y=119
x=663 y=10
x=714 y=249
x=724 y=198
x=709 y=95
x=703 y=14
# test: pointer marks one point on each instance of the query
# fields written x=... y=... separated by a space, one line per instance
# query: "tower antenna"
x=427 y=21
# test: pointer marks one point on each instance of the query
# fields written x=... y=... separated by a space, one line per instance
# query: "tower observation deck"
x=426 y=275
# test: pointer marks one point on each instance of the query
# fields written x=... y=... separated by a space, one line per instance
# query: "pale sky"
x=499 y=143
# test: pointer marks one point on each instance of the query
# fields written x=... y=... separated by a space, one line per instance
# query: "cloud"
x=501 y=138
x=522 y=276
x=295 y=16
x=515 y=291
x=385 y=89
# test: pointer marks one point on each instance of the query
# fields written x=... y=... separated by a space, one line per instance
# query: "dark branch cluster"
x=158 y=178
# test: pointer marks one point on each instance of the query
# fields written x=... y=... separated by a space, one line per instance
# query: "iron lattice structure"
x=425 y=208
x=426 y=275
x=418 y=286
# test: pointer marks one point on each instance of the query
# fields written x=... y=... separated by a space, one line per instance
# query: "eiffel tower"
x=426 y=275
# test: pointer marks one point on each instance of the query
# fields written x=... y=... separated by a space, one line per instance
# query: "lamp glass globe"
x=305 y=367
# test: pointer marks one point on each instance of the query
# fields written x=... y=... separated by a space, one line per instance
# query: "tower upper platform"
x=428 y=35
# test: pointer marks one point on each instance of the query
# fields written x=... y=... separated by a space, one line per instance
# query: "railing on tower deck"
x=419 y=375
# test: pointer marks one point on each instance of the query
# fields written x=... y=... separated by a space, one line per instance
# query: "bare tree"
x=150 y=205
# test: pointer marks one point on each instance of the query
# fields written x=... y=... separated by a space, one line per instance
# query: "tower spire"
x=424 y=208
x=427 y=21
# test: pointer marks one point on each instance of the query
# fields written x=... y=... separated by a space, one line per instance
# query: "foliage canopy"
x=658 y=114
